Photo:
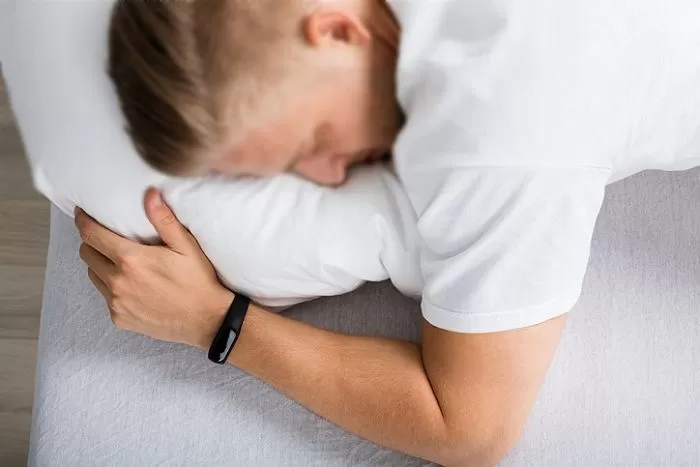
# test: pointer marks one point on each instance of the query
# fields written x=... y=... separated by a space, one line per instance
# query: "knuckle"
x=82 y=251
x=85 y=232
x=117 y=285
x=127 y=261
x=168 y=219
x=113 y=306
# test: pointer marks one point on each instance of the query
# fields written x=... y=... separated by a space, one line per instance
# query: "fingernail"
x=157 y=200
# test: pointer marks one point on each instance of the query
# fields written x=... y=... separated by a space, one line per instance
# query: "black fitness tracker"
x=230 y=329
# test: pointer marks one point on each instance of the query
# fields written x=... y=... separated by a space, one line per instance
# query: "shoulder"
x=525 y=81
x=486 y=231
x=448 y=187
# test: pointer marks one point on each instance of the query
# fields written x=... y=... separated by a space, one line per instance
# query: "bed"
x=622 y=391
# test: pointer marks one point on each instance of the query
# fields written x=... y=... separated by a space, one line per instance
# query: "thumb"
x=169 y=229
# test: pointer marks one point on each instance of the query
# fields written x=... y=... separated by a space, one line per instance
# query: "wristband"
x=230 y=329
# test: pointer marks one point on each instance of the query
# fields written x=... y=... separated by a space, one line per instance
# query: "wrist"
x=213 y=314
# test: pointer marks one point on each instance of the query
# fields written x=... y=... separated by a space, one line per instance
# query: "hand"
x=168 y=292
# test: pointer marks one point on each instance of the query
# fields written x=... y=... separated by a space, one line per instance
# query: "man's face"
x=321 y=136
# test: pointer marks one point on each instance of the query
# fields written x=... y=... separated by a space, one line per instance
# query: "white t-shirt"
x=519 y=113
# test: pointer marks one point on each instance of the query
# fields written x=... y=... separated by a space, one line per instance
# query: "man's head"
x=256 y=86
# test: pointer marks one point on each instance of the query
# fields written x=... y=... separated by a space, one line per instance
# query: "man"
x=506 y=121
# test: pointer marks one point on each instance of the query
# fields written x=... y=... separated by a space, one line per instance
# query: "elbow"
x=480 y=445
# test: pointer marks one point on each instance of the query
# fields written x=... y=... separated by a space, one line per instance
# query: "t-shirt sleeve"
x=505 y=248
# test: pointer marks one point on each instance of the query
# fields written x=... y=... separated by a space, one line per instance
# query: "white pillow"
x=281 y=240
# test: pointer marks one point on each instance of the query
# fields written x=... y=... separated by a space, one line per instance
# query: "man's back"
x=518 y=116
x=553 y=82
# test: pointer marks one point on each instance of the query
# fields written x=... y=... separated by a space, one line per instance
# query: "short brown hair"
x=186 y=71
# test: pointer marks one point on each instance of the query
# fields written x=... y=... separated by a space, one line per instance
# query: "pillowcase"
x=281 y=240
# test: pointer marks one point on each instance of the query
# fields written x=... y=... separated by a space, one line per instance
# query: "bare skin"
x=454 y=399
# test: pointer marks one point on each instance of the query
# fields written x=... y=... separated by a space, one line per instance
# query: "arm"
x=456 y=399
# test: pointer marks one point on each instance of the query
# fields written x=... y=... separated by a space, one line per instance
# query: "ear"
x=329 y=26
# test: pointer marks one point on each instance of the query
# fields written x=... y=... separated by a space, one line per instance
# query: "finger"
x=169 y=228
x=99 y=264
x=100 y=238
x=99 y=284
x=105 y=292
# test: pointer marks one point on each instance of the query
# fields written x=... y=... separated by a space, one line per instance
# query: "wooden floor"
x=24 y=220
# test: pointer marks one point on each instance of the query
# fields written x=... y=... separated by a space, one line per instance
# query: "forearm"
x=375 y=388
x=458 y=399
